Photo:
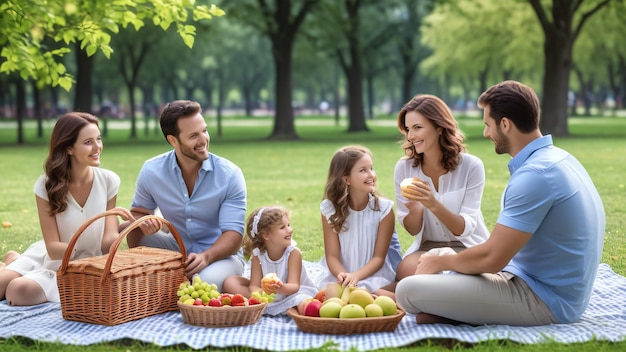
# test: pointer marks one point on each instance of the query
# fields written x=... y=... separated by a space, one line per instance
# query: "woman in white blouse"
x=442 y=208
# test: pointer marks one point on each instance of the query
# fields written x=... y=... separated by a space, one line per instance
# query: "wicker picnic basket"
x=336 y=326
x=122 y=285
x=224 y=316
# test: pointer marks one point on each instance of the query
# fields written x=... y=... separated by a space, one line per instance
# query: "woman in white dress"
x=72 y=190
x=442 y=208
x=268 y=240
x=361 y=247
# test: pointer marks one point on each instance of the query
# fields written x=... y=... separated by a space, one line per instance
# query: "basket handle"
x=115 y=245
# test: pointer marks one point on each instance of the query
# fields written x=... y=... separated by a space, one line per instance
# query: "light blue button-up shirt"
x=217 y=203
x=551 y=196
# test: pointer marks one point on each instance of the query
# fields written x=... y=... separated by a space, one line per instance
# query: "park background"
x=285 y=83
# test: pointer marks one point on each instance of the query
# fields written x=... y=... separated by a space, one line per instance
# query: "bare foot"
x=425 y=318
x=10 y=257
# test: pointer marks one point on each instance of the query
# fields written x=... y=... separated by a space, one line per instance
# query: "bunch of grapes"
x=199 y=292
x=189 y=291
x=263 y=296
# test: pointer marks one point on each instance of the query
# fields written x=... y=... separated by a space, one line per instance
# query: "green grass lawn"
x=293 y=174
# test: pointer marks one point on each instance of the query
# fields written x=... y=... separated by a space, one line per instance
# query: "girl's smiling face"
x=279 y=234
x=362 y=176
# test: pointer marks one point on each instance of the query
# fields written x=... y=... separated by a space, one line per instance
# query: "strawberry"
x=238 y=300
x=253 y=300
x=225 y=298
x=214 y=302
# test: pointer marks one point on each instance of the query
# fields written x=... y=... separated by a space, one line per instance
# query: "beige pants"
x=500 y=298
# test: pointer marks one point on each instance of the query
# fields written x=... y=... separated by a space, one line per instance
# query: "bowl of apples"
x=352 y=310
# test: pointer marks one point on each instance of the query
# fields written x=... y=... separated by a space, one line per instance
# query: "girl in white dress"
x=360 y=242
x=269 y=240
x=72 y=190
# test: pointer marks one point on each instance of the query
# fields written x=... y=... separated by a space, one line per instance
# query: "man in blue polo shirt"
x=539 y=264
x=201 y=194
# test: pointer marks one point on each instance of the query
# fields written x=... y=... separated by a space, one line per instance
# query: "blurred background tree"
x=352 y=59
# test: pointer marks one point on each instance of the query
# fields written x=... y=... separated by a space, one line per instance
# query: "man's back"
x=551 y=196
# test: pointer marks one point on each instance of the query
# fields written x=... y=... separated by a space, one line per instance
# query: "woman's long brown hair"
x=58 y=163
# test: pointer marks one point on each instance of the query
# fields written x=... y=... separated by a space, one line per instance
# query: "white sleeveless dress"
x=35 y=263
x=280 y=267
x=358 y=242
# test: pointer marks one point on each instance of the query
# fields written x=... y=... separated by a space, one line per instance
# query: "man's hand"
x=195 y=263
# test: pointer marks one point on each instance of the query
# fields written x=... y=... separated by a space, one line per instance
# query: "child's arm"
x=256 y=274
x=383 y=239
x=332 y=250
x=294 y=266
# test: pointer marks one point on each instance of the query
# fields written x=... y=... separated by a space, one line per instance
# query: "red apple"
x=302 y=305
x=198 y=302
x=313 y=308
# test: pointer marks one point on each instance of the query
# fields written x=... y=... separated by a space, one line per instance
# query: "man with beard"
x=539 y=264
x=201 y=194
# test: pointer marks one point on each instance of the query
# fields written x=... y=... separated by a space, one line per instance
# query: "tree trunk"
x=38 y=108
x=20 y=102
x=557 y=66
x=84 y=73
x=284 y=125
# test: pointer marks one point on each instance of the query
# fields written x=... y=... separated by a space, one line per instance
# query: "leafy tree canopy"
x=36 y=34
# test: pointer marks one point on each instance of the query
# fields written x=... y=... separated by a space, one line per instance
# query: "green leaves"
x=26 y=24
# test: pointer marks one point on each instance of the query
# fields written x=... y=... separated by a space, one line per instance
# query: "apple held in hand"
x=269 y=282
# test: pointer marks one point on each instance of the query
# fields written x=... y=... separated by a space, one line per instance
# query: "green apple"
x=387 y=304
x=373 y=310
x=334 y=299
x=330 y=310
x=361 y=297
x=351 y=311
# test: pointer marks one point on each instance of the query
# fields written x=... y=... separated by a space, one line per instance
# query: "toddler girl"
x=268 y=238
x=361 y=245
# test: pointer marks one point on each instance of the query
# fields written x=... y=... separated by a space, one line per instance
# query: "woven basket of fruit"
x=224 y=316
x=339 y=326
x=122 y=285
x=201 y=304
x=355 y=311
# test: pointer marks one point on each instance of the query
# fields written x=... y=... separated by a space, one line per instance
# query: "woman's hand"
x=125 y=214
x=419 y=191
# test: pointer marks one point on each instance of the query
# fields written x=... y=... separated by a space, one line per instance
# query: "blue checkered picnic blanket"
x=604 y=319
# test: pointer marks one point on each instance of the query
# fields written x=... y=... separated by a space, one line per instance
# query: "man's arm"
x=226 y=245
x=488 y=257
